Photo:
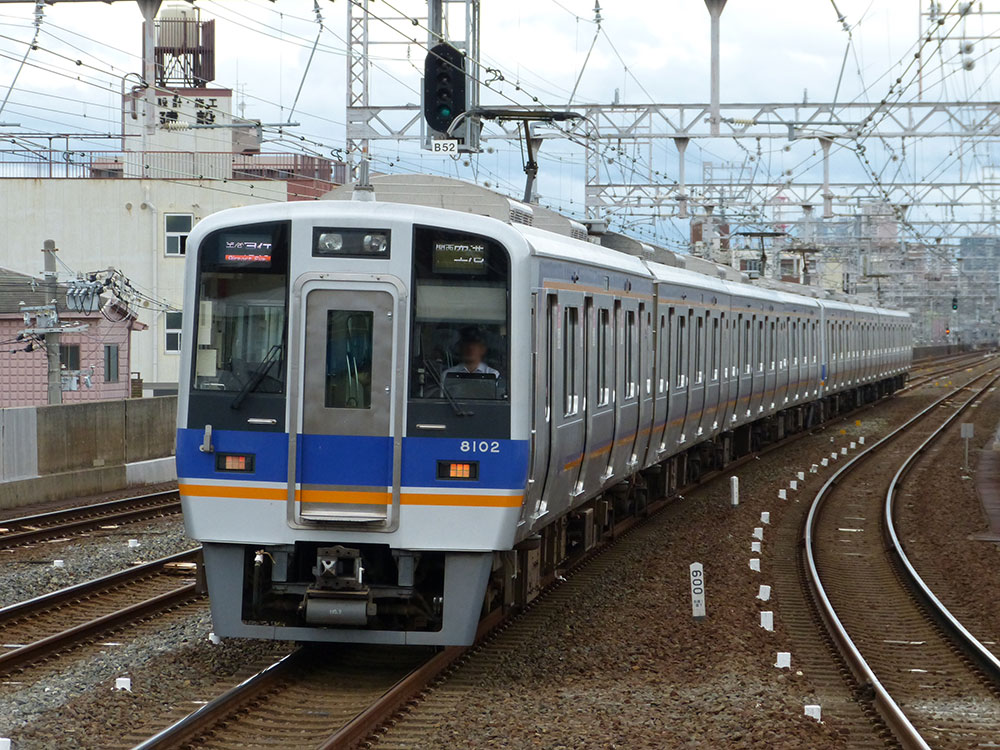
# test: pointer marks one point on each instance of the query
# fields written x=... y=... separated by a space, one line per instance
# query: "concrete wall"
x=74 y=450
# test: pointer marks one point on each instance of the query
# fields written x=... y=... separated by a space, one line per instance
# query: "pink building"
x=99 y=354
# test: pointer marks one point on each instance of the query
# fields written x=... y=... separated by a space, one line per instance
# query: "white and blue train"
x=394 y=417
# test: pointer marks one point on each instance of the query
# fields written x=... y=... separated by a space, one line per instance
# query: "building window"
x=111 y=363
x=177 y=226
x=172 y=340
x=69 y=356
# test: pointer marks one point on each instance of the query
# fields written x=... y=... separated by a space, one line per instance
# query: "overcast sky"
x=772 y=51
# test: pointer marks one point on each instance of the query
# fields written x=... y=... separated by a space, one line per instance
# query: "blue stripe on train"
x=355 y=460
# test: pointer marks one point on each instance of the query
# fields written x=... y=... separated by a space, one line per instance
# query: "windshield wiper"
x=257 y=376
x=459 y=411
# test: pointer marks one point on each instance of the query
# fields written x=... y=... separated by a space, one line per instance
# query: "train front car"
x=347 y=450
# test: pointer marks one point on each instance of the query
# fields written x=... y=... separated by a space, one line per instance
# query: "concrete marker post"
x=697 y=574
x=734 y=491
x=764 y=592
x=767 y=620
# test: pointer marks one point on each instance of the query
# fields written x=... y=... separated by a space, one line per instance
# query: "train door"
x=348 y=448
x=541 y=327
x=626 y=389
x=679 y=379
x=567 y=427
x=600 y=409
x=694 y=425
x=645 y=386
x=757 y=364
x=713 y=374
x=662 y=375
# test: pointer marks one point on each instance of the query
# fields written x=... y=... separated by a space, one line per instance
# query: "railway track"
x=338 y=697
x=931 y=683
x=949 y=366
x=40 y=628
x=16 y=532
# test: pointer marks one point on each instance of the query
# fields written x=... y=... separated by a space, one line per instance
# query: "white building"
x=131 y=206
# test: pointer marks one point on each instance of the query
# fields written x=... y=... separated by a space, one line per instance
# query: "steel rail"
x=222 y=705
x=87 y=588
x=890 y=711
x=985 y=658
x=34 y=651
x=87 y=517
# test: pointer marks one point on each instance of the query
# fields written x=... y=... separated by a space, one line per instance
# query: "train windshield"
x=460 y=317
x=242 y=312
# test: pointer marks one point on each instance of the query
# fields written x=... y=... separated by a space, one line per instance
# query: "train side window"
x=571 y=321
x=630 y=352
x=747 y=350
x=772 y=345
x=679 y=358
x=348 y=382
x=668 y=364
x=603 y=328
x=760 y=346
x=662 y=339
x=713 y=365
x=698 y=364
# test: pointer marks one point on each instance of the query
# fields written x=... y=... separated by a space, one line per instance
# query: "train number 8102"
x=480 y=446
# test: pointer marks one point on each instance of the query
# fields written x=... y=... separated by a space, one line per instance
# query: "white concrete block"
x=843 y=451
x=794 y=485
x=764 y=592
x=861 y=440
x=814 y=468
x=58 y=563
x=814 y=711
x=153 y=471
x=767 y=620
x=784 y=660
x=755 y=564
x=853 y=445
x=834 y=455
x=801 y=476
x=758 y=533
x=755 y=547
x=4 y=743
x=734 y=491
x=133 y=543
x=826 y=462
x=765 y=516
x=214 y=639
x=782 y=495
x=123 y=683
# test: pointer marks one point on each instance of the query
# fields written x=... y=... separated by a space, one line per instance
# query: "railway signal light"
x=444 y=86
x=947 y=331
x=954 y=303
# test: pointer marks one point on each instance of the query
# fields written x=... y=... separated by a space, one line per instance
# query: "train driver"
x=472 y=350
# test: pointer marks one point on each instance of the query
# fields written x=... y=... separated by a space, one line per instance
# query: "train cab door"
x=347 y=450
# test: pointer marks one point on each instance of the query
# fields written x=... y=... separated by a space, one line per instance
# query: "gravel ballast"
x=27 y=572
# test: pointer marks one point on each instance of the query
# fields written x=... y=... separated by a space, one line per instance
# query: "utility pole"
x=715 y=11
x=52 y=339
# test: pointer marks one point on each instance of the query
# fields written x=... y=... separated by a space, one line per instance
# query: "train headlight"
x=330 y=242
x=375 y=244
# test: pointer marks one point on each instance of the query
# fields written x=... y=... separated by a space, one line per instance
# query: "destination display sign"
x=252 y=251
x=459 y=257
